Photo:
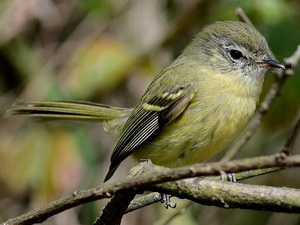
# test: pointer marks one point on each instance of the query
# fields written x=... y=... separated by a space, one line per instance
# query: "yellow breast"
x=215 y=117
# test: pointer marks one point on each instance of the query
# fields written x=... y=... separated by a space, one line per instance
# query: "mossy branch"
x=147 y=175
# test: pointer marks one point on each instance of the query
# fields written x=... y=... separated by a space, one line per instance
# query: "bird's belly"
x=181 y=144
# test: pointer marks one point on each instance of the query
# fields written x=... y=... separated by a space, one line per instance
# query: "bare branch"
x=291 y=139
x=143 y=201
x=113 y=212
x=156 y=176
x=154 y=197
x=234 y=195
x=239 y=12
x=292 y=61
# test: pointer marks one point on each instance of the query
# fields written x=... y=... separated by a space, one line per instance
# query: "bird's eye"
x=235 y=54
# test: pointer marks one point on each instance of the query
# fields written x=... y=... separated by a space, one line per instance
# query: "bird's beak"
x=272 y=63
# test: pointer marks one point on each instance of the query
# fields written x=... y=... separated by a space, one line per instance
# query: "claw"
x=228 y=177
x=167 y=200
x=231 y=177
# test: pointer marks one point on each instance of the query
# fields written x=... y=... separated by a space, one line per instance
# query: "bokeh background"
x=108 y=52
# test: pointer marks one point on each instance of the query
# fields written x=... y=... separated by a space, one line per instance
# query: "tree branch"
x=145 y=179
x=154 y=197
x=143 y=201
x=113 y=212
x=234 y=195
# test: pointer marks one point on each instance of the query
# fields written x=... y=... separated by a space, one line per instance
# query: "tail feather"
x=68 y=110
x=112 y=170
x=114 y=117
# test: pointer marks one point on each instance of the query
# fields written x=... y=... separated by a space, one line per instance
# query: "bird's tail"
x=68 y=110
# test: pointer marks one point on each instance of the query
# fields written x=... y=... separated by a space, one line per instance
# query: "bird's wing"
x=147 y=120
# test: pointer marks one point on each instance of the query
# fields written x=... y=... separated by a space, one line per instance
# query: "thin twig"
x=290 y=64
x=239 y=12
x=143 y=201
x=292 y=61
x=287 y=149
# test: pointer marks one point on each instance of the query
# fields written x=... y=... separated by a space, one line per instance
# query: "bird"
x=192 y=110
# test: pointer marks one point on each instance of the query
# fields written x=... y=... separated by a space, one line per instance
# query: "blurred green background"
x=108 y=52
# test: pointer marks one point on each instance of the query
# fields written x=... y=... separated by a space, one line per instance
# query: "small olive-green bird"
x=192 y=110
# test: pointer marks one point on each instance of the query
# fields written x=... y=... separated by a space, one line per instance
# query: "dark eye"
x=235 y=54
